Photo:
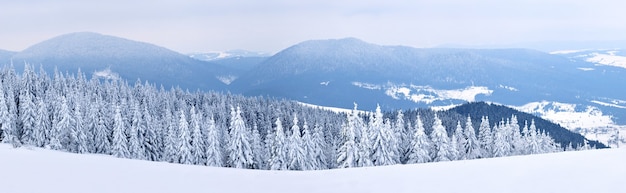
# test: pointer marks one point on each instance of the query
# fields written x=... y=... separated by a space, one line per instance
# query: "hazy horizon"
x=270 y=26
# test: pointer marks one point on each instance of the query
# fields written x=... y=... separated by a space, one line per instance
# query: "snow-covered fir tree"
x=239 y=147
x=214 y=147
x=471 y=144
x=119 y=143
x=348 y=152
x=485 y=138
x=383 y=141
x=420 y=144
x=441 y=150
x=278 y=149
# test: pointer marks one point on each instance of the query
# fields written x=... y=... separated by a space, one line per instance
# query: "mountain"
x=340 y=72
x=108 y=56
x=574 y=172
x=6 y=55
x=316 y=71
x=212 y=56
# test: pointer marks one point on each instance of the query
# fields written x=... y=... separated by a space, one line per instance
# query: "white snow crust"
x=37 y=170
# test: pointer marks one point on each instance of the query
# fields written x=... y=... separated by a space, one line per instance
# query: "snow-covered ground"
x=37 y=170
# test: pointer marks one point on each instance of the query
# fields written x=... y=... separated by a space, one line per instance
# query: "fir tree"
x=383 y=141
x=239 y=147
x=42 y=124
x=441 y=146
x=296 y=153
x=197 y=141
x=184 y=140
x=101 y=132
x=420 y=144
x=485 y=138
x=119 y=143
x=471 y=144
x=214 y=147
x=348 y=152
x=278 y=150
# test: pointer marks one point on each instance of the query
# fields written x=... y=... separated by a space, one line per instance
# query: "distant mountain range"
x=586 y=84
x=112 y=57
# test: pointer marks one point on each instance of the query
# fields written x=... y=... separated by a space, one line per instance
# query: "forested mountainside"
x=70 y=113
x=118 y=58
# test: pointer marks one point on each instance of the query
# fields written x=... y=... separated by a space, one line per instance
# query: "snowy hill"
x=109 y=57
x=39 y=170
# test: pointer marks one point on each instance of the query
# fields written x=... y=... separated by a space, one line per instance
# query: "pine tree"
x=119 y=143
x=401 y=145
x=500 y=143
x=147 y=129
x=383 y=141
x=457 y=142
x=257 y=148
x=278 y=149
x=171 y=138
x=485 y=138
x=441 y=145
x=516 y=141
x=184 y=140
x=62 y=126
x=296 y=154
x=420 y=144
x=197 y=141
x=214 y=147
x=101 y=132
x=42 y=124
x=308 y=145
x=239 y=147
x=471 y=144
x=78 y=138
x=135 y=143
x=533 y=139
x=320 y=159
x=348 y=152
x=28 y=118
x=9 y=132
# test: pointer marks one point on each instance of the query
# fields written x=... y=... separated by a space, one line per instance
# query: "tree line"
x=70 y=113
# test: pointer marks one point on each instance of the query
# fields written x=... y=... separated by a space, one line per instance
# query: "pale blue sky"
x=271 y=25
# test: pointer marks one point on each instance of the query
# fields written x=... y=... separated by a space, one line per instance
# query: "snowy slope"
x=37 y=170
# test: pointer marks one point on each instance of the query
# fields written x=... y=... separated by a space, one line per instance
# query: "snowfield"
x=39 y=170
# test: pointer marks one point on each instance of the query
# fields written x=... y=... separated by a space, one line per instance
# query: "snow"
x=608 y=59
x=427 y=94
x=366 y=85
x=227 y=79
x=38 y=170
x=332 y=109
x=106 y=74
x=585 y=69
x=568 y=51
x=508 y=87
x=608 y=104
x=443 y=108
x=586 y=120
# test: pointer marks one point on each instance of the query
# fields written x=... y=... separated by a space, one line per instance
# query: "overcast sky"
x=271 y=25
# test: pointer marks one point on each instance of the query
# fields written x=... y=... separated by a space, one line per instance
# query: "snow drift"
x=39 y=170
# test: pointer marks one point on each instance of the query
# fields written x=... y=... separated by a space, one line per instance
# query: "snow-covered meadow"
x=27 y=170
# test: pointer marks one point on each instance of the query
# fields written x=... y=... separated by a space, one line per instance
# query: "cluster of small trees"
x=70 y=113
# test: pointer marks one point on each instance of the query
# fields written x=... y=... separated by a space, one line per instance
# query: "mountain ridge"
x=131 y=60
